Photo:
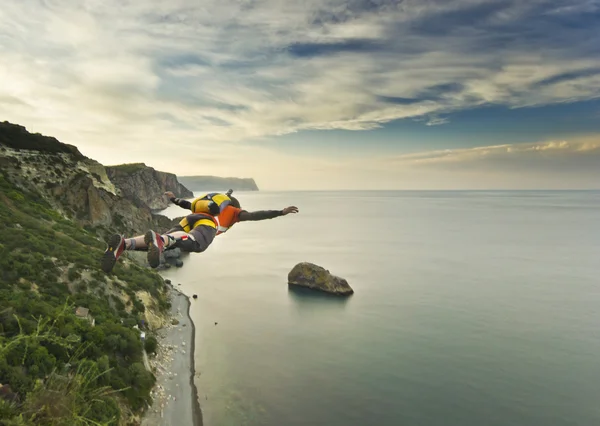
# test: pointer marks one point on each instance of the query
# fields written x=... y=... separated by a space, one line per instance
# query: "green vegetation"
x=151 y=345
x=65 y=369
x=17 y=137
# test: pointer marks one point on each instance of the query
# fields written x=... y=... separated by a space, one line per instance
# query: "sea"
x=471 y=308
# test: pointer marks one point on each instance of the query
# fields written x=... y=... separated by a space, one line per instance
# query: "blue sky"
x=323 y=94
x=489 y=125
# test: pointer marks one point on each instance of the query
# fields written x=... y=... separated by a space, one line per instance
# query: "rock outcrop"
x=315 y=277
x=214 y=183
x=74 y=185
x=145 y=185
x=18 y=138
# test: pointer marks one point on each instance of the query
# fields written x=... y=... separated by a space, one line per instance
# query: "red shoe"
x=116 y=245
x=155 y=247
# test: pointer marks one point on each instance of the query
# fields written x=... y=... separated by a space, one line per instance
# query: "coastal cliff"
x=214 y=183
x=145 y=185
x=70 y=333
x=77 y=187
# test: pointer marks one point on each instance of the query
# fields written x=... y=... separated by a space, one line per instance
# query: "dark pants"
x=203 y=237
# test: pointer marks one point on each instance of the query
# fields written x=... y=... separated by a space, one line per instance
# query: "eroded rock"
x=309 y=275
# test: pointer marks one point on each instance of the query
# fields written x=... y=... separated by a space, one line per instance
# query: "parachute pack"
x=212 y=203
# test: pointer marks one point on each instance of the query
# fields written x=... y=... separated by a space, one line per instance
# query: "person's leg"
x=181 y=240
x=204 y=236
x=158 y=243
x=197 y=241
x=136 y=243
x=155 y=244
x=172 y=231
x=117 y=244
x=178 y=238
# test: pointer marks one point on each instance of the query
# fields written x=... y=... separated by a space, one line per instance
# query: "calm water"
x=471 y=308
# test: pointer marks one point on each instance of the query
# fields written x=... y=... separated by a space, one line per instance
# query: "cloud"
x=560 y=164
x=135 y=75
x=583 y=147
x=436 y=121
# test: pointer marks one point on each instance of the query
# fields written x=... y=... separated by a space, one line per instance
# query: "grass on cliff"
x=64 y=369
x=17 y=137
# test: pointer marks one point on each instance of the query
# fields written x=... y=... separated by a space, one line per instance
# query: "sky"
x=304 y=95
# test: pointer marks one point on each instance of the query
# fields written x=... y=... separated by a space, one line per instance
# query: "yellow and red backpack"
x=212 y=203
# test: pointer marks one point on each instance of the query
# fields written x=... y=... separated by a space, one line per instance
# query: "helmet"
x=235 y=202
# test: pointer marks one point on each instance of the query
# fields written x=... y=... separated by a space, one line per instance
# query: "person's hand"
x=169 y=195
x=290 y=209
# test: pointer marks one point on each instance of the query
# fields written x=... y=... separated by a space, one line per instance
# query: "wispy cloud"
x=541 y=151
x=541 y=165
x=106 y=73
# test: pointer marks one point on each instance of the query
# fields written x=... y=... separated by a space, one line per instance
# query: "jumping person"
x=230 y=212
x=194 y=233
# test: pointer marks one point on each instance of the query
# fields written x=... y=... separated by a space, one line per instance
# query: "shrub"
x=44 y=348
x=14 y=195
x=151 y=345
x=73 y=274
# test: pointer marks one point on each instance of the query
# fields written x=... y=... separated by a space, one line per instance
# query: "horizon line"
x=418 y=190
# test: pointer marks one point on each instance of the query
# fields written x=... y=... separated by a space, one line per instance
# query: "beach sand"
x=175 y=395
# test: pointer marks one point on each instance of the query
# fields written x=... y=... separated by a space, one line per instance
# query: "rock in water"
x=313 y=276
x=173 y=253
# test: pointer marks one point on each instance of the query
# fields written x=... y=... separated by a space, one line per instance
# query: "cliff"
x=76 y=186
x=17 y=137
x=70 y=333
x=145 y=185
x=67 y=328
x=214 y=183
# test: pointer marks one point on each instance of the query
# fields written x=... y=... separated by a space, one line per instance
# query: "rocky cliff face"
x=76 y=186
x=145 y=185
x=214 y=183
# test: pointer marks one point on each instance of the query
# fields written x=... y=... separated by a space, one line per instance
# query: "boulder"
x=316 y=277
x=174 y=253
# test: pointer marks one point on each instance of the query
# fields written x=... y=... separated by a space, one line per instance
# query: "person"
x=194 y=233
x=230 y=212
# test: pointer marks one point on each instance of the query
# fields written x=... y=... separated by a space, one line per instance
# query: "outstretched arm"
x=265 y=214
x=185 y=204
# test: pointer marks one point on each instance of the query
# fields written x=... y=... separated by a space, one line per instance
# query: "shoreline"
x=176 y=397
x=197 y=410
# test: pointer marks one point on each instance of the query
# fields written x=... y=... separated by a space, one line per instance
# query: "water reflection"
x=312 y=299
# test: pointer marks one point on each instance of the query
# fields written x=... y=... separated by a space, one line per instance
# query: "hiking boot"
x=155 y=247
x=116 y=245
